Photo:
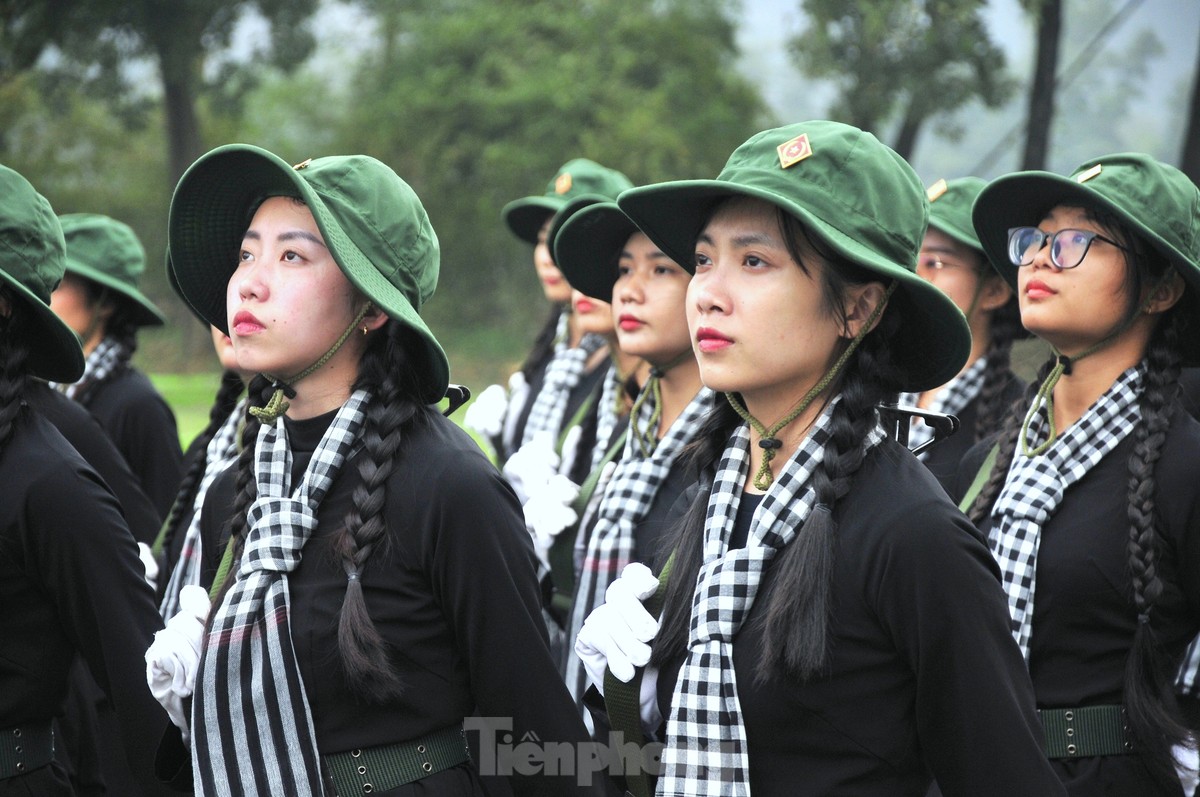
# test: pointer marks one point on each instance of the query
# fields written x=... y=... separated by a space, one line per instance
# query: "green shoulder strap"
x=623 y=700
x=985 y=470
x=562 y=550
x=222 y=571
x=576 y=419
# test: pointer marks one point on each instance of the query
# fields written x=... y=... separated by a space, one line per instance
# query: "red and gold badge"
x=794 y=151
x=562 y=183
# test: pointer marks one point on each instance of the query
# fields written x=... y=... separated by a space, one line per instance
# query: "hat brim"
x=142 y=310
x=1024 y=199
x=210 y=211
x=933 y=340
x=54 y=350
x=588 y=247
x=526 y=216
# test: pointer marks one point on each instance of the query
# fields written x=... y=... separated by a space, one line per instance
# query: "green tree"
x=905 y=60
x=478 y=102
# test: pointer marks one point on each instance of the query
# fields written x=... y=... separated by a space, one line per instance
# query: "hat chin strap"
x=768 y=442
x=647 y=439
x=278 y=405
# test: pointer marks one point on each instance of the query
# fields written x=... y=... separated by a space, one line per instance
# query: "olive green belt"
x=388 y=766
x=26 y=747
x=1086 y=731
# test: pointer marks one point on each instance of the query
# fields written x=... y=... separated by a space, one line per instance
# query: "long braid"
x=364 y=653
x=997 y=376
x=226 y=399
x=1006 y=440
x=798 y=602
x=14 y=352
x=1148 y=675
x=245 y=487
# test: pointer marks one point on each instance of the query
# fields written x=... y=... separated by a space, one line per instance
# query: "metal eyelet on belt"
x=16 y=731
x=356 y=753
x=1070 y=731
x=368 y=788
x=428 y=767
x=1071 y=749
x=362 y=770
x=421 y=749
x=20 y=766
x=1068 y=715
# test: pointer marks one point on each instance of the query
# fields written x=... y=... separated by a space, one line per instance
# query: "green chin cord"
x=278 y=405
x=767 y=439
x=647 y=439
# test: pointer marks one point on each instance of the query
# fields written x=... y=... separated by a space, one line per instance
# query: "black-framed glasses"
x=1067 y=247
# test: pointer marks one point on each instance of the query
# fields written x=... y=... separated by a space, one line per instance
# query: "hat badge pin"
x=793 y=151
x=302 y=164
x=562 y=183
x=936 y=190
x=1083 y=177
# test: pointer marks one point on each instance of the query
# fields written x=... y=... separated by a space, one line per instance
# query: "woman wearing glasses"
x=1092 y=506
x=952 y=259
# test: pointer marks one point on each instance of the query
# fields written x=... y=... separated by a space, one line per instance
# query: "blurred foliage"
x=905 y=60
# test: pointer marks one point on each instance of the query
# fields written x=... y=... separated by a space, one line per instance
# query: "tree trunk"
x=1041 y=94
x=1189 y=161
x=910 y=129
x=179 y=65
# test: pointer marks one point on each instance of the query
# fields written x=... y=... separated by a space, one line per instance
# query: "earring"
x=364 y=332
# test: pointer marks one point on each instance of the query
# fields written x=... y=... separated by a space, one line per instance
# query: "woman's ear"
x=1165 y=294
x=374 y=318
x=861 y=301
x=994 y=293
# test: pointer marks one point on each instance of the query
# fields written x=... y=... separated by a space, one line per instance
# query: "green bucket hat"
x=588 y=246
x=1158 y=202
x=950 y=209
x=108 y=252
x=32 y=261
x=577 y=178
x=857 y=196
x=371 y=220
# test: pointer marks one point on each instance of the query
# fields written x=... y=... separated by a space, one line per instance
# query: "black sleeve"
x=145 y=431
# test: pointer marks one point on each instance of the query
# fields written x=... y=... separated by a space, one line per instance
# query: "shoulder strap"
x=985 y=471
x=623 y=700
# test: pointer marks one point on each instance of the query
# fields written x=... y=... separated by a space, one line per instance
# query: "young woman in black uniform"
x=573 y=361
x=378 y=584
x=604 y=255
x=71 y=582
x=99 y=299
x=952 y=258
x=1092 y=506
x=832 y=624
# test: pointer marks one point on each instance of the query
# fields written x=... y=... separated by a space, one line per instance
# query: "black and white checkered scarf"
x=222 y=451
x=951 y=400
x=628 y=496
x=607 y=413
x=107 y=357
x=252 y=731
x=562 y=375
x=1035 y=485
x=706 y=752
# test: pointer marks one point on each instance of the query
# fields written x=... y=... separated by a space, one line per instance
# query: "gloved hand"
x=150 y=564
x=486 y=413
x=616 y=635
x=548 y=511
x=174 y=657
x=532 y=465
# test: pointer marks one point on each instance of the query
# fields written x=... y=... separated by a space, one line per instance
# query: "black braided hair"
x=14 y=353
x=1004 y=324
x=226 y=399
x=120 y=326
x=1149 y=676
x=384 y=371
x=798 y=601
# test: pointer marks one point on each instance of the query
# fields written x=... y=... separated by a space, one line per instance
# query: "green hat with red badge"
x=575 y=179
x=854 y=194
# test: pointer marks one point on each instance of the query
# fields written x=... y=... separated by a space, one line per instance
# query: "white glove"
x=548 y=511
x=174 y=656
x=518 y=392
x=486 y=413
x=616 y=635
x=1186 y=762
x=532 y=465
x=149 y=563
